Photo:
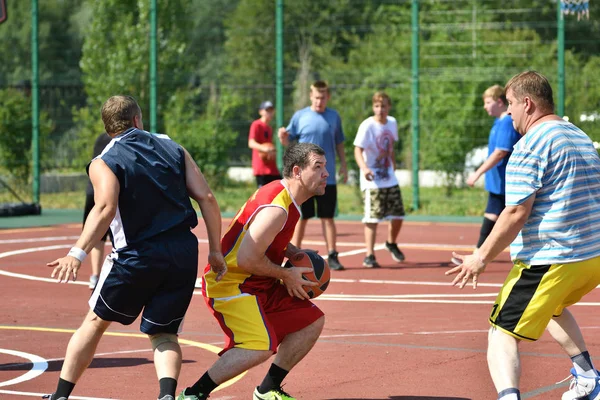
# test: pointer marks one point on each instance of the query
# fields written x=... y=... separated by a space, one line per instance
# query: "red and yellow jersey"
x=237 y=281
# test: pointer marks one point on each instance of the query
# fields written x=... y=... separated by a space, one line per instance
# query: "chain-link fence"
x=216 y=64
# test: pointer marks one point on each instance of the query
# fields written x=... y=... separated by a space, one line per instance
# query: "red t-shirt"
x=262 y=133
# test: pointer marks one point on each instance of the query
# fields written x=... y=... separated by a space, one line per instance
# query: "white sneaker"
x=583 y=387
x=93 y=281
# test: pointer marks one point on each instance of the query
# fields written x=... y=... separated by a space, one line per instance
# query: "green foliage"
x=205 y=136
x=15 y=133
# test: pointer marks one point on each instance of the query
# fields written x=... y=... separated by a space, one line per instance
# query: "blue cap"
x=265 y=105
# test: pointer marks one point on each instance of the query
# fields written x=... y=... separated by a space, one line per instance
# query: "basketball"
x=319 y=274
x=268 y=155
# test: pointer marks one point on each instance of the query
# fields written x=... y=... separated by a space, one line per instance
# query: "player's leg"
x=326 y=210
x=370 y=219
x=295 y=346
x=393 y=209
x=175 y=286
x=564 y=329
x=250 y=340
x=504 y=363
x=298 y=325
x=80 y=353
x=370 y=234
x=495 y=205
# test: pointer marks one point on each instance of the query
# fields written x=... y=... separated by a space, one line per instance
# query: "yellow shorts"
x=532 y=295
x=260 y=321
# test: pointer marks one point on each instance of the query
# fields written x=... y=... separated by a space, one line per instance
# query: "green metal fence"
x=200 y=68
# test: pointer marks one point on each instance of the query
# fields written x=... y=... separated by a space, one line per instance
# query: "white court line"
x=39 y=395
x=39 y=366
x=39 y=239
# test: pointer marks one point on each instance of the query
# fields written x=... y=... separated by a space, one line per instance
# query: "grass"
x=433 y=201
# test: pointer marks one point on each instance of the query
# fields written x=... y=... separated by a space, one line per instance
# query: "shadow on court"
x=109 y=362
x=409 y=398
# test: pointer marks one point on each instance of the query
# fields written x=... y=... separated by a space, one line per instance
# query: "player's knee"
x=162 y=338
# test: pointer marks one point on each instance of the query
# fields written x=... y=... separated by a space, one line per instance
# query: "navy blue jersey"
x=153 y=198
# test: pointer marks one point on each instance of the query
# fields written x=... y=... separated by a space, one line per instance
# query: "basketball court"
x=399 y=332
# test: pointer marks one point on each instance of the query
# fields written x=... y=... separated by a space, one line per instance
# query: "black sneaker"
x=49 y=396
x=371 y=262
x=396 y=253
x=334 y=263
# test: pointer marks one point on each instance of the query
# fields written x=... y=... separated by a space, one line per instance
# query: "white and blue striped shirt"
x=558 y=162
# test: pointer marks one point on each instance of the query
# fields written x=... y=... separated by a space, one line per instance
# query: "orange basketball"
x=268 y=155
x=319 y=274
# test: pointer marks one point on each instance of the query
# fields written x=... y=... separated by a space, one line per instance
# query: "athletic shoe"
x=583 y=389
x=93 y=281
x=396 y=253
x=49 y=396
x=183 y=396
x=371 y=262
x=167 y=397
x=334 y=263
x=275 y=394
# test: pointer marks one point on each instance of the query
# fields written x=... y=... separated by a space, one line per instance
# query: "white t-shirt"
x=377 y=141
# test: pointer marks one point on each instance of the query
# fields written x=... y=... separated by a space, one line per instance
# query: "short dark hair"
x=118 y=113
x=534 y=85
x=298 y=155
x=320 y=86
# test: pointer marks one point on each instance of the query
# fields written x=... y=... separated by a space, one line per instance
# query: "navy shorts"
x=326 y=205
x=158 y=277
x=496 y=203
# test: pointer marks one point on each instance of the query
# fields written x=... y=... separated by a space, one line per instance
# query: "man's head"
x=319 y=96
x=529 y=96
x=494 y=100
x=381 y=105
x=120 y=113
x=266 y=110
x=305 y=163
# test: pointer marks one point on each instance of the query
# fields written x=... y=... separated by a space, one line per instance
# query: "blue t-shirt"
x=323 y=129
x=153 y=197
x=503 y=136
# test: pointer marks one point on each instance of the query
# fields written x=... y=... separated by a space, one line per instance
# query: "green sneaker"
x=275 y=394
x=183 y=396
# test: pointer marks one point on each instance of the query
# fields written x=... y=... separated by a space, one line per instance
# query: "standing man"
x=262 y=307
x=374 y=154
x=551 y=222
x=142 y=185
x=322 y=126
x=260 y=140
x=502 y=139
x=97 y=252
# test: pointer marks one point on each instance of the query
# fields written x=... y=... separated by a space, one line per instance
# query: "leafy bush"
x=205 y=136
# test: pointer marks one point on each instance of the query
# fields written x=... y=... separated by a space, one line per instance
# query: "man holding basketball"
x=262 y=307
x=260 y=140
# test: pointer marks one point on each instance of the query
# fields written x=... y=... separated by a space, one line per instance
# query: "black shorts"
x=89 y=204
x=158 y=277
x=262 y=180
x=326 y=205
x=496 y=203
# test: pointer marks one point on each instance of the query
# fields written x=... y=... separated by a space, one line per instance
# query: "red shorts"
x=261 y=319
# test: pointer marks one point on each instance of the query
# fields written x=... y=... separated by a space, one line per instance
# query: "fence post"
x=415 y=103
x=153 y=61
x=35 y=106
x=560 y=22
x=279 y=76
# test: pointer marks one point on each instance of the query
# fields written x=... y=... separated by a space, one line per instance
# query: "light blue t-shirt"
x=558 y=162
x=503 y=136
x=323 y=129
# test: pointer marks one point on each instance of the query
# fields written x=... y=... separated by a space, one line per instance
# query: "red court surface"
x=400 y=332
